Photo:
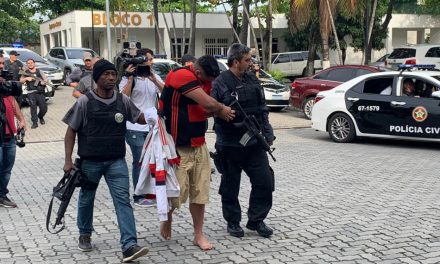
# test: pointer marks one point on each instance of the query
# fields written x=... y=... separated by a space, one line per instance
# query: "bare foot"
x=165 y=228
x=202 y=243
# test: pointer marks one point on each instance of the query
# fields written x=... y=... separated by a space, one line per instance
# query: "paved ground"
x=369 y=202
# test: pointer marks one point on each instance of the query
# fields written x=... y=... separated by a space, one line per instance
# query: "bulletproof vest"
x=250 y=95
x=103 y=136
x=31 y=85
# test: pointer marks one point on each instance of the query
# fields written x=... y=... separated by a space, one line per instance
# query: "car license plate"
x=277 y=96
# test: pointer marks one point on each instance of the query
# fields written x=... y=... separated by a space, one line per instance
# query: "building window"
x=274 y=45
x=178 y=45
x=216 y=46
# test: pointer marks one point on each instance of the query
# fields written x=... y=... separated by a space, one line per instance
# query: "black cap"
x=14 y=52
x=188 y=58
x=100 y=67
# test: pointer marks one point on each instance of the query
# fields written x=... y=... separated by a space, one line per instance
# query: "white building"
x=213 y=35
x=213 y=32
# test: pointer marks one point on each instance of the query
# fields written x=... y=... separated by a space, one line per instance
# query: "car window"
x=340 y=74
x=321 y=75
x=296 y=57
x=360 y=72
x=274 y=57
x=402 y=53
x=433 y=53
x=78 y=53
x=27 y=54
x=53 y=52
x=378 y=85
x=282 y=58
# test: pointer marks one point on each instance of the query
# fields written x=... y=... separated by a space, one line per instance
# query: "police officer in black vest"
x=36 y=85
x=99 y=118
x=238 y=83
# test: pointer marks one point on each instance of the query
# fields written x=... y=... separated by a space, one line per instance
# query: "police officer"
x=238 y=83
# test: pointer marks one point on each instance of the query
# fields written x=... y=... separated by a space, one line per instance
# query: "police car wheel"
x=341 y=128
x=307 y=107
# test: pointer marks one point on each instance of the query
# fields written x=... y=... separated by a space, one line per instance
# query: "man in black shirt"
x=14 y=65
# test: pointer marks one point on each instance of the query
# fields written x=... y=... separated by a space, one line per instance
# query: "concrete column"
x=435 y=35
x=167 y=43
x=420 y=36
x=388 y=41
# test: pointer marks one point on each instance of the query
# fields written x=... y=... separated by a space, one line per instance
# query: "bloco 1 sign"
x=126 y=19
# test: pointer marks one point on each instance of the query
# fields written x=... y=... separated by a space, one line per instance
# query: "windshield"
x=78 y=53
x=402 y=53
x=25 y=55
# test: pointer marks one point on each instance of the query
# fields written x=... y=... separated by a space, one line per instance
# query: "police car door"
x=370 y=104
x=417 y=115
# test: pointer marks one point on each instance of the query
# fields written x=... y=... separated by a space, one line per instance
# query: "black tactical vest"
x=250 y=96
x=103 y=137
x=31 y=85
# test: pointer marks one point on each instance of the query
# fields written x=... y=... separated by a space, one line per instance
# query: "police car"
x=401 y=104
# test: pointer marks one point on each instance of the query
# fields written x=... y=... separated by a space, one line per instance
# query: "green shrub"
x=277 y=75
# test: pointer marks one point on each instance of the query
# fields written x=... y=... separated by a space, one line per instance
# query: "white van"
x=293 y=64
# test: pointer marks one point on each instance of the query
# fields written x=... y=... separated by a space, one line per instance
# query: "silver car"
x=68 y=58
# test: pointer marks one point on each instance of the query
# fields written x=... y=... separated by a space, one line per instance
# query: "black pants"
x=252 y=160
x=37 y=99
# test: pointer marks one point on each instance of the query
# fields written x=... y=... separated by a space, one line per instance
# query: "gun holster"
x=216 y=157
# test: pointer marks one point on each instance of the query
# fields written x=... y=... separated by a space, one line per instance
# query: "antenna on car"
x=409 y=67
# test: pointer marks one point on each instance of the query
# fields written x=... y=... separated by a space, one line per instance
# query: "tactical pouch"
x=215 y=156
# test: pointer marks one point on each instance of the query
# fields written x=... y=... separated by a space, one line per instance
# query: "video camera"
x=9 y=87
x=19 y=138
x=129 y=56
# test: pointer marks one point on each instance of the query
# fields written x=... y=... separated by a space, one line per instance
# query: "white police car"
x=399 y=104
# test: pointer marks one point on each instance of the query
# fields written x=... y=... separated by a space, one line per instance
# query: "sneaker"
x=42 y=121
x=134 y=252
x=85 y=243
x=5 y=202
x=142 y=202
x=34 y=125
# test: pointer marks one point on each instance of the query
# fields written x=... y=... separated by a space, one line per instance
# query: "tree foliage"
x=16 y=23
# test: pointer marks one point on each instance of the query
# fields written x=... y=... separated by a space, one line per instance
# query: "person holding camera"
x=8 y=146
x=142 y=85
x=36 y=81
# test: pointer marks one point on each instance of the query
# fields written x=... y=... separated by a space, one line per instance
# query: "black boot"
x=261 y=228
x=34 y=125
x=235 y=230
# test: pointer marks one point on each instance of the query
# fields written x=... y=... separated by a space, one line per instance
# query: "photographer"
x=8 y=147
x=142 y=86
x=36 y=81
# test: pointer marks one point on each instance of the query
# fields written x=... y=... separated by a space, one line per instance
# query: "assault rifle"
x=38 y=81
x=253 y=129
x=64 y=191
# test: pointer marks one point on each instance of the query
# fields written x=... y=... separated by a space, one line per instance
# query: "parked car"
x=293 y=64
x=381 y=61
x=276 y=93
x=52 y=72
x=359 y=107
x=68 y=58
x=414 y=54
x=304 y=90
x=163 y=66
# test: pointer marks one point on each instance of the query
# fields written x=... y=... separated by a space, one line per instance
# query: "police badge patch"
x=119 y=118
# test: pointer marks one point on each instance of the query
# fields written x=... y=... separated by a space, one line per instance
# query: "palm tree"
x=192 y=31
x=301 y=11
